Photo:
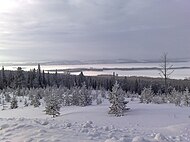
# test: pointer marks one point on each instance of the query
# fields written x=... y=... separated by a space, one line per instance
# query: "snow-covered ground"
x=142 y=123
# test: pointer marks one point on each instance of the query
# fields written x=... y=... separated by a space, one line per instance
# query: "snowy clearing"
x=142 y=123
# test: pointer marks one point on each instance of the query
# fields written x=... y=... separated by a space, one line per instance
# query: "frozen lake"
x=177 y=74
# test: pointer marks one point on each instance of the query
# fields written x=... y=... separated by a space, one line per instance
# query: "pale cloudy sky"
x=93 y=29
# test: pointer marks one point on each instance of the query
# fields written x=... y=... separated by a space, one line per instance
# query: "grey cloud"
x=85 y=29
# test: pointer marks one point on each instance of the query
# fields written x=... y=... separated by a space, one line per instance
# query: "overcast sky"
x=93 y=29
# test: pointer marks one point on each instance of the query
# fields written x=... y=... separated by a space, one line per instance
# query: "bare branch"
x=170 y=73
x=161 y=75
x=170 y=67
x=162 y=72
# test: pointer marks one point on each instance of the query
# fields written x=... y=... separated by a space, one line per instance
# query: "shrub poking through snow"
x=117 y=100
x=52 y=105
x=25 y=102
x=14 y=102
x=7 y=98
x=98 y=101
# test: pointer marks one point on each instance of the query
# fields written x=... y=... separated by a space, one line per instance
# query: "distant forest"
x=37 y=78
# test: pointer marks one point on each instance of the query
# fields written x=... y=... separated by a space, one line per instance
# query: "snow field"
x=142 y=123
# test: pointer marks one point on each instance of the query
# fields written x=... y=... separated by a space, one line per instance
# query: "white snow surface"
x=142 y=123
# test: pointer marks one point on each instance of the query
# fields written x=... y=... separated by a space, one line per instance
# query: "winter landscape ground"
x=142 y=123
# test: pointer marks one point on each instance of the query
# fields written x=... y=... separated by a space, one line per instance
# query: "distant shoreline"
x=115 y=69
x=91 y=62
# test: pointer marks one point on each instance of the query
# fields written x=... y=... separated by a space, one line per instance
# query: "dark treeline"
x=37 y=78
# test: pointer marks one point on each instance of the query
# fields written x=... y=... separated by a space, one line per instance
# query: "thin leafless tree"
x=166 y=69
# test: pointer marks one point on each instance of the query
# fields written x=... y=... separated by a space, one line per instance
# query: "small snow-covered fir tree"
x=117 y=100
x=19 y=92
x=103 y=93
x=39 y=93
x=14 y=102
x=3 y=99
x=146 y=95
x=85 y=98
x=31 y=94
x=94 y=93
x=171 y=96
x=36 y=101
x=186 y=98
x=75 y=96
x=176 y=97
x=67 y=98
x=52 y=105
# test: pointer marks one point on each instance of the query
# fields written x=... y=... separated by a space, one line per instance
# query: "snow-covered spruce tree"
x=59 y=92
x=75 y=96
x=177 y=97
x=40 y=93
x=67 y=98
x=14 y=102
x=19 y=80
x=117 y=101
x=18 y=92
x=103 y=93
x=52 y=105
x=171 y=96
x=31 y=94
x=94 y=93
x=85 y=98
x=36 y=101
x=186 y=98
x=146 y=95
x=3 y=100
